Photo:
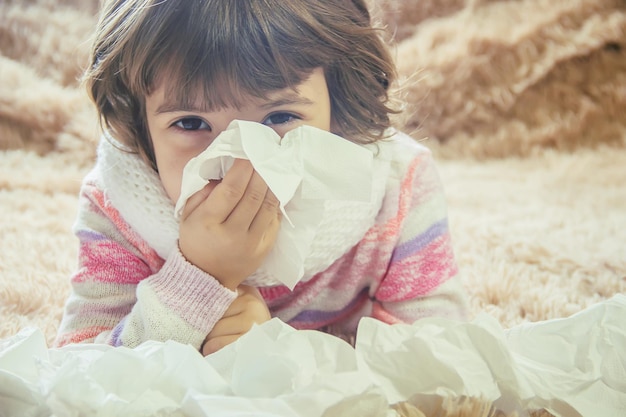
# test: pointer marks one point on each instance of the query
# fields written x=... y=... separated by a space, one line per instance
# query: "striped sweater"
x=124 y=292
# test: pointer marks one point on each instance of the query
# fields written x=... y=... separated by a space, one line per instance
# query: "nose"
x=226 y=116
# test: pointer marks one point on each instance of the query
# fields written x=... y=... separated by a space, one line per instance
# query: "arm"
x=227 y=230
x=123 y=294
x=422 y=276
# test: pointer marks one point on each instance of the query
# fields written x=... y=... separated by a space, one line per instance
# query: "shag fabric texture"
x=523 y=101
x=497 y=78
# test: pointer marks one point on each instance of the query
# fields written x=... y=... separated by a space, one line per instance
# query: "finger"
x=196 y=199
x=214 y=344
x=244 y=289
x=239 y=324
x=267 y=214
x=226 y=195
x=253 y=198
x=245 y=295
x=226 y=326
x=235 y=308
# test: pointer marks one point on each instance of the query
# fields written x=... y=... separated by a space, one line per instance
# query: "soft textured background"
x=523 y=101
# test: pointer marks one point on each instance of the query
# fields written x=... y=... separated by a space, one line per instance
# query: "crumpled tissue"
x=305 y=168
x=571 y=367
x=273 y=370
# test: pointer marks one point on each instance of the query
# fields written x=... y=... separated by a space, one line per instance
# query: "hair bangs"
x=221 y=66
x=212 y=54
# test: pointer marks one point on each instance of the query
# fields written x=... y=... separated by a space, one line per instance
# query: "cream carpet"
x=524 y=103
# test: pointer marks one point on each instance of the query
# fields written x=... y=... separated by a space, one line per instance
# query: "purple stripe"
x=420 y=241
x=90 y=236
x=317 y=316
x=117 y=331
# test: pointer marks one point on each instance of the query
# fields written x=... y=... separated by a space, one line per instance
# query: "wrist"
x=230 y=281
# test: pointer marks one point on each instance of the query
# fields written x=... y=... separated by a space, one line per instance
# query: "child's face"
x=180 y=134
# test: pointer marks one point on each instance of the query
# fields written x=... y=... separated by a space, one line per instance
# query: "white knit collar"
x=135 y=190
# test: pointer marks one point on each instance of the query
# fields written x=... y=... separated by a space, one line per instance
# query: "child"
x=167 y=77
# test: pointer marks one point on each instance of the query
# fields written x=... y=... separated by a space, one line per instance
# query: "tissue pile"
x=563 y=366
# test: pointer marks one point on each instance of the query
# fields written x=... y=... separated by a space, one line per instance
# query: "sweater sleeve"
x=123 y=294
x=422 y=276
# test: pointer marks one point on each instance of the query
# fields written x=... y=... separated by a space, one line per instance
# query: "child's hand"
x=227 y=229
x=247 y=309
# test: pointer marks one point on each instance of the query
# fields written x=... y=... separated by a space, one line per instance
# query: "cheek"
x=171 y=174
x=324 y=113
x=323 y=119
x=320 y=117
x=170 y=163
x=171 y=179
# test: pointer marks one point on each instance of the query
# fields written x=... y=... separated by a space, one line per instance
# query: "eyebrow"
x=284 y=100
x=288 y=99
x=173 y=107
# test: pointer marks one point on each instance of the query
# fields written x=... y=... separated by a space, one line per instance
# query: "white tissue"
x=273 y=370
x=305 y=168
x=571 y=367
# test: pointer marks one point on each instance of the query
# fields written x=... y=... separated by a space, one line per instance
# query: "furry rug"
x=523 y=101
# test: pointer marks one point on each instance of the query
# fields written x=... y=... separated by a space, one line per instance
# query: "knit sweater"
x=131 y=287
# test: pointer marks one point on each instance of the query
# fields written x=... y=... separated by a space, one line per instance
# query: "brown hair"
x=226 y=50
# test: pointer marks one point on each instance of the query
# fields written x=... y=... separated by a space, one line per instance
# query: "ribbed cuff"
x=194 y=295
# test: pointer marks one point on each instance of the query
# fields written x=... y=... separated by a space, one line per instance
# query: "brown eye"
x=279 y=119
x=192 y=124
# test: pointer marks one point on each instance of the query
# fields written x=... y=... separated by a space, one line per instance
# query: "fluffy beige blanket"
x=523 y=101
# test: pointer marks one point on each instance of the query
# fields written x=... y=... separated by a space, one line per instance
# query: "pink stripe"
x=83 y=335
x=419 y=274
x=109 y=262
x=154 y=261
